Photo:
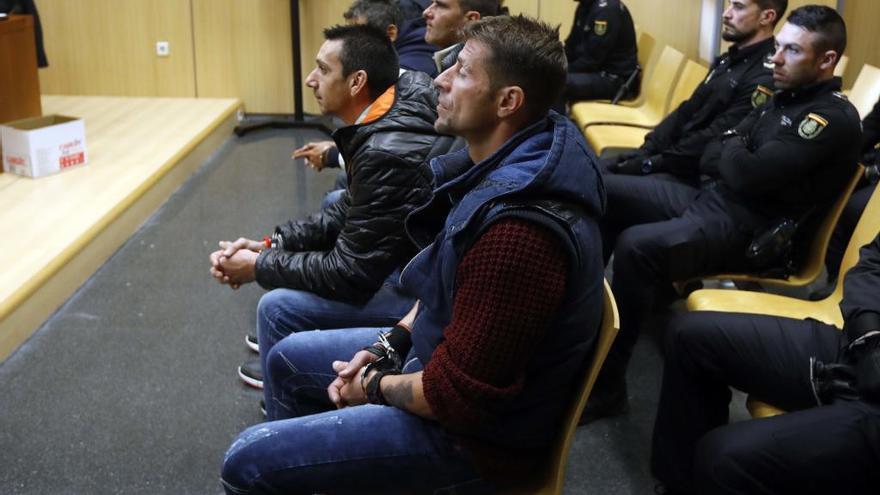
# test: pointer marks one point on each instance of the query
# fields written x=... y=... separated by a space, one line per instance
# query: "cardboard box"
x=43 y=145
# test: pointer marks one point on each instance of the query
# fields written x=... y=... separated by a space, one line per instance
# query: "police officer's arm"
x=737 y=108
x=795 y=150
x=861 y=304
x=709 y=161
x=871 y=129
x=597 y=46
x=669 y=129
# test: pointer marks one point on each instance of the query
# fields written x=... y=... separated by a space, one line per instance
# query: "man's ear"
x=510 y=99
x=472 y=15
x=391 y=31
x=768 y=17
x=357 y=82
x=828 y=60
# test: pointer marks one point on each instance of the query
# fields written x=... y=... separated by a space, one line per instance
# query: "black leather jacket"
x=346 y=251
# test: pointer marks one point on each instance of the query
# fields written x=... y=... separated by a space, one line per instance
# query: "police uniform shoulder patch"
x=811 y=126
x=600 y=27
x=760 y=96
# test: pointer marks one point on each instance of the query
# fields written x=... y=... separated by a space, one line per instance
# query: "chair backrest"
x=645 y=44
x=840 y=68
x=866 y=230
x=551 y=479
x=866 y=90
x=691 y=77
x=658 y=86
x=814 y=259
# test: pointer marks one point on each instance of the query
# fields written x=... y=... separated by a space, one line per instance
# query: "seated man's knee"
x=241 y=463
x=690 y=330
x=722 y=459
x=272 y=302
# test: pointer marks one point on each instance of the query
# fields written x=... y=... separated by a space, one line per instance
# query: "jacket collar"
x=788 y=96
x=759 y=49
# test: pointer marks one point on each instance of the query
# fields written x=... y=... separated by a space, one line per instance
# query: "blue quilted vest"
x=546 y=174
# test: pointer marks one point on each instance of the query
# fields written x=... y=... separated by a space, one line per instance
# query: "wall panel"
x=244 y=51
x=863 y=44
x=315 y=16
x=98 y=47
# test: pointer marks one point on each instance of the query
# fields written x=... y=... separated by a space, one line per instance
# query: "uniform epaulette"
x=840 y=95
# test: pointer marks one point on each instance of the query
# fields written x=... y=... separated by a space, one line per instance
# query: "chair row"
x=625 y=125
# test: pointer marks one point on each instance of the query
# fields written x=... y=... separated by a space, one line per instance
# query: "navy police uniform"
x=790 y=156
x=834 y=448
x=601 y=50
x=739 y=80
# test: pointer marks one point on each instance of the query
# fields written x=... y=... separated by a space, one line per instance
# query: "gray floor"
x=130 y=387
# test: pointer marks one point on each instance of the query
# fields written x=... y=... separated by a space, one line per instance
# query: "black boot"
x=608 y=398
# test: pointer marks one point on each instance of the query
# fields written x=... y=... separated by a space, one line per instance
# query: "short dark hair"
x=367 y=48
x=825 y=22
x=524 y=52
x=486 y=8
x=778 y=5
x=379 y=13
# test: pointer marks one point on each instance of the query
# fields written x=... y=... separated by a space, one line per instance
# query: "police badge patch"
x=760 y=96
x=811 y=126
x=600 y=27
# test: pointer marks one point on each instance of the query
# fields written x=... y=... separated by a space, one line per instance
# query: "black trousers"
x=704 y=239
x=591 y=86
x=845 y=227
x=827 y=449
x=639 y=199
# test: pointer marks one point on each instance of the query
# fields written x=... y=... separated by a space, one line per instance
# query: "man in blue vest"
x=471 y=386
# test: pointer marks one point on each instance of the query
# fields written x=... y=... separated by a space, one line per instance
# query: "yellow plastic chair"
x=814 y=260
x=826 y=310
x=866 y=90
x=840 y=68
x=618 y=136
x=549 y=481
x=647 y=57
x=656 y=89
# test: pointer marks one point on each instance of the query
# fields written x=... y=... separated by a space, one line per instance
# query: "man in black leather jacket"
x=828 y=443
x=338 y=266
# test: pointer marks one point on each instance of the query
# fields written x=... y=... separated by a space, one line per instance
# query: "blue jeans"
x=282 y=312
x=361 y=449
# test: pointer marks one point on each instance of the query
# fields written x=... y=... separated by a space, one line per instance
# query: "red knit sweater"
x=509 y=284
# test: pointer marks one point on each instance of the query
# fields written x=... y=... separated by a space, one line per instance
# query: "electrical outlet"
x=163 y=48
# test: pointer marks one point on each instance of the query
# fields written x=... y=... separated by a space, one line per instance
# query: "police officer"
x=601 y=51
x=660 y=179
x=789 y=157
x=834 y=448
x=850 y=215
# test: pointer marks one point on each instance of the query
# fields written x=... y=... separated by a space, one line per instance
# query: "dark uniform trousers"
x=705 y=238
x=827 y=449
x=592 y=86
x=637 y=199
